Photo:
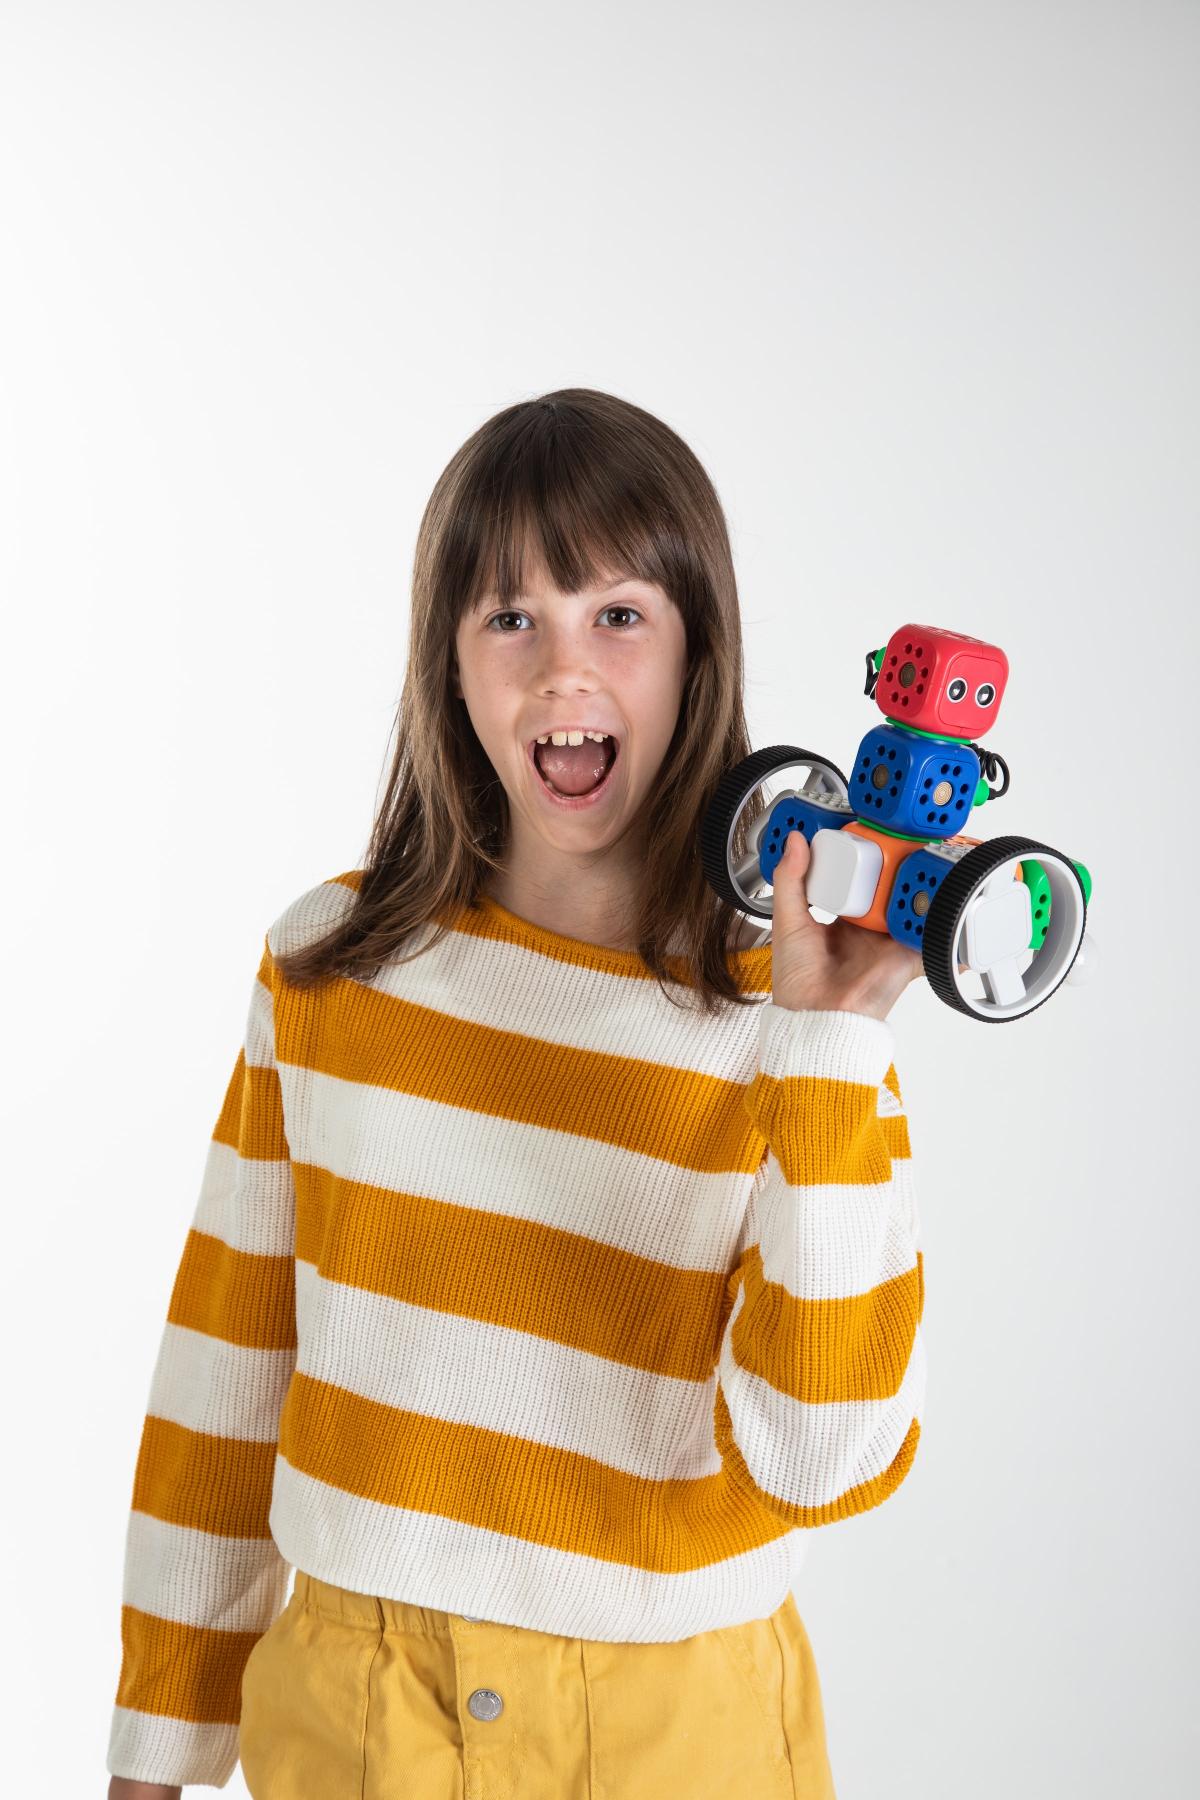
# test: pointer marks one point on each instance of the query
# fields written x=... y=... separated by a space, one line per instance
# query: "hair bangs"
x=555 y=509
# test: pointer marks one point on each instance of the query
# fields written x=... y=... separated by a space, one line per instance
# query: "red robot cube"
x=941 y=681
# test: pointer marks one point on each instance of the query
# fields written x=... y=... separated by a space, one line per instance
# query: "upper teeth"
x=572 y=737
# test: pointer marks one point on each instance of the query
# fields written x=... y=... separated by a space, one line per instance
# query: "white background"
x=919 y=284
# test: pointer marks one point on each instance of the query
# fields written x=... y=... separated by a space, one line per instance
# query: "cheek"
x=660 y=701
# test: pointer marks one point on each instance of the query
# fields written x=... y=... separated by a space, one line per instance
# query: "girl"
x=556 y=1253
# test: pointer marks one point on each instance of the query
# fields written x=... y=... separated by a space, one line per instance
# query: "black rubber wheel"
x=946 y=911
x=725 y=807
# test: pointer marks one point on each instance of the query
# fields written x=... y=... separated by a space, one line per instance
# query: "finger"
x=789 y=906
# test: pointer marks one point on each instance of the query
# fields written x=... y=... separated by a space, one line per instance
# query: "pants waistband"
x=376 y=1611
x=371 y=1610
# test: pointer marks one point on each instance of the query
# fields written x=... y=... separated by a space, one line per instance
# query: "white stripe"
x=258 y=1039
x=842 y=1046
x=201 y=1577
x=247 y=1201
x=622 y=1199
x=809 y=1455
x=310 y=916
x=512 y=987
x=887 y=1106
x=906 y=1196
x=833 y=1240
x=362 y=1133
x=228 y=1390
x=433 y=1561
x=654 y=1427
x=172 y=1752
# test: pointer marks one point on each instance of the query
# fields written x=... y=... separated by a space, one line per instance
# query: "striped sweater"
x=517 y=1289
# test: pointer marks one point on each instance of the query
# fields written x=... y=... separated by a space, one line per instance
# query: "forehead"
x=537 y=585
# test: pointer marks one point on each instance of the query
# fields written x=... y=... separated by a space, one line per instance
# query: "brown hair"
x=595 y=487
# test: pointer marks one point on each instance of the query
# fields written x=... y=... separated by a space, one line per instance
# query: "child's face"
x=612 y=658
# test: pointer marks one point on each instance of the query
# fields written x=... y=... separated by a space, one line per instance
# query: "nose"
x=566 y=666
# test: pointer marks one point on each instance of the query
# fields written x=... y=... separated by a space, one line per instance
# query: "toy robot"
x=999 y=924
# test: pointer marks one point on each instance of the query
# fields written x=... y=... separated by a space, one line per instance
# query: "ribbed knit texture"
x=516 y=1290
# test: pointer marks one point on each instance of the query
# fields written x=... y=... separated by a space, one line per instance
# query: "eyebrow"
x=621 y=581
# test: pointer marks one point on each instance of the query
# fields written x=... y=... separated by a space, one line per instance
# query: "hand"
x=841 y=967
x=123 y=1787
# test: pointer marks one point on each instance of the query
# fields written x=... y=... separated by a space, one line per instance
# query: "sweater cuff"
x=845 y=1046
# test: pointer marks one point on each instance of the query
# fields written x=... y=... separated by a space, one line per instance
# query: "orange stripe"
x=824 y=1130
x=376 y=1039
x=675 y=1115
x=182 y=1671
x=854 y=1500
x=236 y=1295
x=206 y=1482
x=671 y=1114
x=894 y=1127
x=509 y=1484
x=251 y=1118
x=853 y=1348
x=453 y=1259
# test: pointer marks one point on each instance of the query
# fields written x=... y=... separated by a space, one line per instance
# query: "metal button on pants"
x=485 y=1703
x=350 y=1696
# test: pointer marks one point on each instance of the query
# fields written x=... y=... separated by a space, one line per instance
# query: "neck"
x=597 y=909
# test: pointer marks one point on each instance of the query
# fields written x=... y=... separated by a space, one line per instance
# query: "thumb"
x=789 y=903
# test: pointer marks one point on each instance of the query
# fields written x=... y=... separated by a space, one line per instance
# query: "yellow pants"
x=349 y=1697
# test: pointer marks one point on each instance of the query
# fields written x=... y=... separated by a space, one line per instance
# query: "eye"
x=514 y=613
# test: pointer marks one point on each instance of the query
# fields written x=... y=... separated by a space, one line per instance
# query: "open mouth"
x=574 y=774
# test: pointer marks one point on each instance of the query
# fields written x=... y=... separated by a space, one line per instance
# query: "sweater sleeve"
x=203 y=1578
x=821 y=1371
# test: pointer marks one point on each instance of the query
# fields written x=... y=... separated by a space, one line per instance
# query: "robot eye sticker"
x=999 y=923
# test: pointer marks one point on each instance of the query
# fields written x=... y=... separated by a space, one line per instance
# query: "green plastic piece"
x=943 y=737
x=878 y=655
x=982 y=792
x=906 y=835
x=1034 y=876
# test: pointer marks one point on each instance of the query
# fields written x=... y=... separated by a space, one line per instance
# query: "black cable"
x=989 y=762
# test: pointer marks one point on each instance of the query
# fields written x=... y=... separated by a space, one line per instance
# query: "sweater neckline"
x=557 y=943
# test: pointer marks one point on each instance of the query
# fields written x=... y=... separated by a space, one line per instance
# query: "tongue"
x=573 y=768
